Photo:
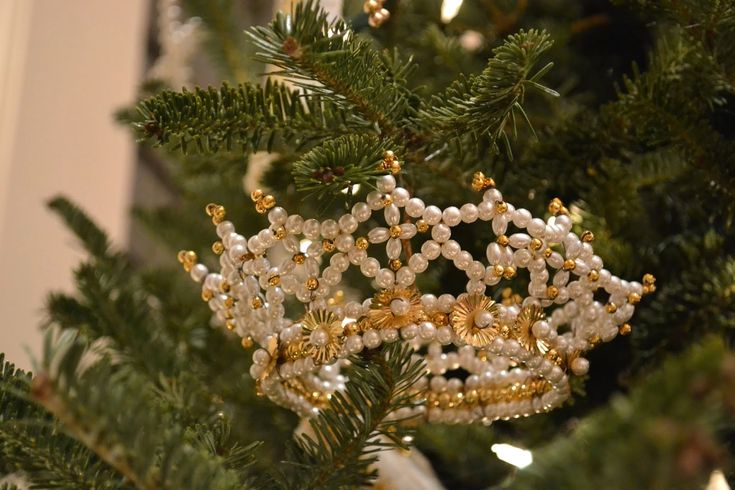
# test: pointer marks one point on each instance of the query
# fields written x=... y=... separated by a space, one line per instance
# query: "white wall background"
x=65 y=66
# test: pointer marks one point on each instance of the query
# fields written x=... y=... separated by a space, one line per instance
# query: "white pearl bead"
x=430 y=249
x=378 y=235
x=485 y=210
x=405 y=277
x=370 y=267
x=483 y=318
x=329 y=229
x=410 y=331
x=445 y=302
x=432 y=215
x=371 y=339
x=389 y=335
x=580 y=366
x=225 y=228
x=521 y=218
x=536 y=228
x=450 y=249
x=500 y=224
x=540 y=329
x=198 y=272
x=361 y=211
x=428 y=301
x=277 y=216
x=399 y=307
x=519 y=240
x=441 y=233
x=463 y=260
x=492 y=195
x=386 y=183
x=392 y=214
x=400 y=196
x=427 y=331
x=385 y=278
x=311 y=229
x=469 y=212
x=418 y=263
x=261 y=357
x=415 y=207
x=444 y=334
x=452 y=216
x=393 y=248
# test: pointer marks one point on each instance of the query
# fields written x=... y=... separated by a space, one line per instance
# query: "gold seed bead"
x=498 y=270
x=256 y=303
x=555 y=206
x=230 y=325
x=256 y=195
x=648 y=279
x=299 y=258
x=595 y=340
x=569 y=265
x=587 y=236
x=625 y=329
x=440 y=319
x=548 y=252
x=229 y=302
x=207 y=294
x=593 y=275
x=279 y=233
x=395 y=168
x=395 y=231
x=501 y=207
x=218 y=247
x=362 y=243
x=634 y=298
x=536 y=244
x=312 y=284
x=552 y=292
x=503 y=240
x=389 y=156
x=247 y=342
x=352 y=328
x=387 y=201
x=187 y=256
x=422 y=226
x=506 y=293
x=274 y=281
x=327 y=245
x=564 y=211
x=224 y=287
x=480 y=182
x=260 y=207
x=268 y=201
x=395 y=264
x=216 y=212
x=509 y=272
x=611 y=307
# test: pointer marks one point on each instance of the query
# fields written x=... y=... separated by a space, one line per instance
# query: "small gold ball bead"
x=230 y=302
x=395 y=168
x=593 y=275
x=299 y=258
x=269 y=201
x=548 y=252
x=387 y=201
x=218 y=247
x=503 y=240
x=247 y=342
x=362 y=243
x=587 y=236
x=230 y=325
x=351 y=328
x=224 y=287
x=501 y=207
x=634 y=298
x=535 y=244
x=480 y=182
x=279 y=233
x=328 y=245
x=389 y=156
x=648 y=279
x=625 y=329
x=207 y=294
x=569 y=265
x=256 y=195
x=395 y=231
x=509 y=272
x=611 y=307
x=422 y=226
x=440 y=319
x=260 y=207
x=187 y=256
x=552 y=292
x=595 y=340
x=506 y=293
x=256 y=303
x=395 y=264
x=498 y=270
x=555 y=206
x=274 y=281
x=181 y=256
x=312 y=284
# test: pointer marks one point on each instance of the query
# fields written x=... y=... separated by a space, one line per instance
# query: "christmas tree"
x=610 y=123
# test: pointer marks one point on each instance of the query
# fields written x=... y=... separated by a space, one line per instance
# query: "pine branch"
x=358 y=424
x=326 y=57
x=489 y=104
x=246 y=117
x=668 y=433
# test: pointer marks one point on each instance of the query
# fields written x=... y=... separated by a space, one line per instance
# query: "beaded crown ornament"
x=485 y=359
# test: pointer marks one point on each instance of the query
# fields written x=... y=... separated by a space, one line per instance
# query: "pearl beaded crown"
x=513 y=357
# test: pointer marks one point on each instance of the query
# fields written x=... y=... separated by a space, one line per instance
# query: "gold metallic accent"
x=422 y=226
x=595 y=340
x=328 y=245
x=279 y=233
x=247 y=342
x=498 y=270
x=218 y=247
x=224 y=286
x=552 y=292
x=611 y=307
x=229 y=302
x=535 y=244
x=362 y=243
x=256 y=195
x=529 y=388
x=503 y=240
x=569 y=265
x=389 y=155
x=625 y=329
x=299 y=258
x=274 y=280
x=256 y=303
x=649 y=279
x=230 y=325
x=318 y=399
x=462 y=319
x=395 y=231
x=501 y=207
x=352 y=328
x=216 y=212
x=548 y=252
x=387 y=201
x=395 y=168
x=325 y=323
x=509 y=272
x=634 y=298
x=207 y=294
x=587 y=236
x=480 y=182
x=593 y=275
x=440 y=319
x=312 y=283
x=555 y=206
x=395 y=264
x=522 y=329
x=381 y=315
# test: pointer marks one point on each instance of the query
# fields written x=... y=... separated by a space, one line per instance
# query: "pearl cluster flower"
x=516 y=356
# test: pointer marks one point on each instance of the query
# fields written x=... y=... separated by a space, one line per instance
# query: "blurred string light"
x=450 y=9
x=520 y=458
